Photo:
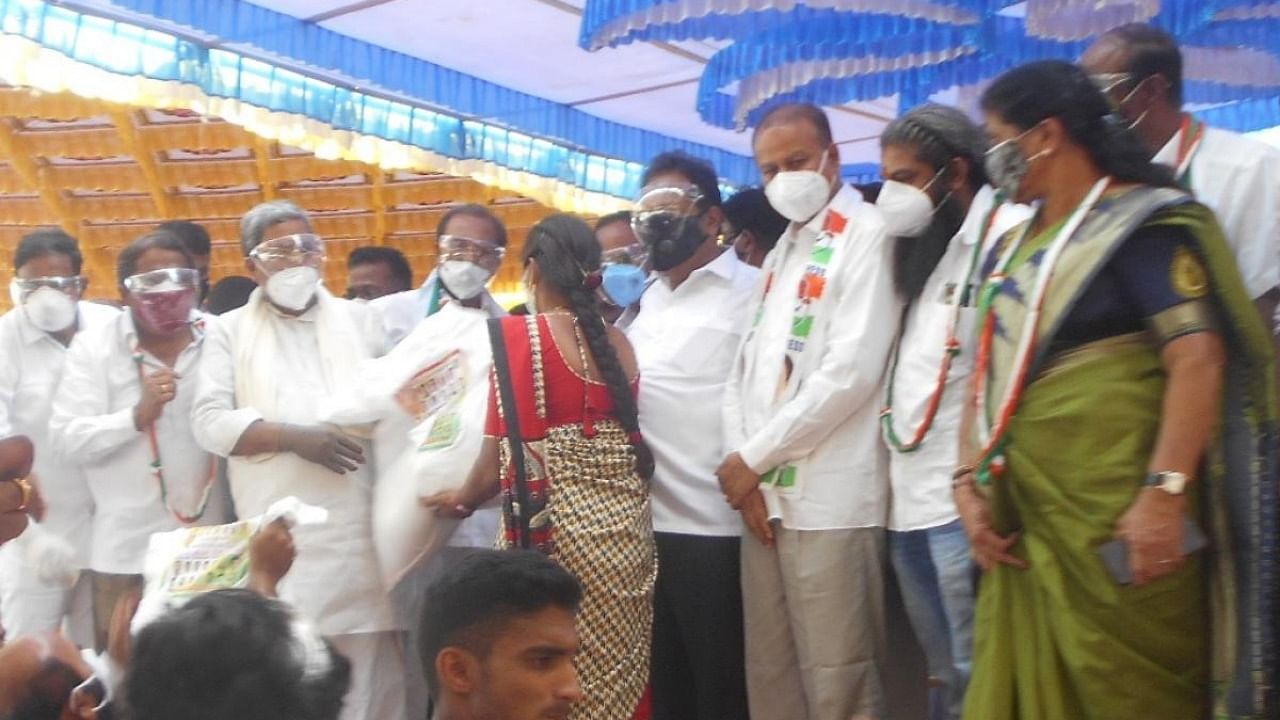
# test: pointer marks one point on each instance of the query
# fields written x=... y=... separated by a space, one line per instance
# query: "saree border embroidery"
x=1182 y=319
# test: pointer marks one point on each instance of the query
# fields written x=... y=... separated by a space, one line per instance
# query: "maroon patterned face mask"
x=165 y=311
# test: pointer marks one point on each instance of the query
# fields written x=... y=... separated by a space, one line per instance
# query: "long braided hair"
x=568 y=256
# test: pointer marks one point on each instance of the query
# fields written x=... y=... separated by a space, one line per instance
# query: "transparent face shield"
x=635 y=254
x=289 y=251
x=164 y=280
x=487 y=255
x=21 y=288
x=163 y=299
x=665 y=211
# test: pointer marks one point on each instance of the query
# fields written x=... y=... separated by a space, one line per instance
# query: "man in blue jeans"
x=938 y=206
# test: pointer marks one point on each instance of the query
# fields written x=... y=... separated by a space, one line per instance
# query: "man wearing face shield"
x=471 y=242
x=806 y=470
x=413 y=545
x=34 y=336
x=1139 y=67
x=686 y=335
x=196 y=238
x=623 y=260
x=123 y=413
x=944 y=219
x=268 y=370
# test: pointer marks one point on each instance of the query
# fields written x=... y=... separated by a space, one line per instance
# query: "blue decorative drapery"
x=832 y=52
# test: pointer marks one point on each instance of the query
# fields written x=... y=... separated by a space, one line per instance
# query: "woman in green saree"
x=1123 y=393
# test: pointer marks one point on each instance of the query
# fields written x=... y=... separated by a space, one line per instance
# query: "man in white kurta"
x=429 y=398
x=268 y=367
x=801 y=413
x=1140 y=68
x=938 y=208
x=31 y=361
x=403 y=311
x=133 y=440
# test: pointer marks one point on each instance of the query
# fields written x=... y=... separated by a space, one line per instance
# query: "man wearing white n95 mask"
x=806 y=469
x=471 y=241
x=267 y=369
x=34 y=337
x=943 y=218
x=446 y=337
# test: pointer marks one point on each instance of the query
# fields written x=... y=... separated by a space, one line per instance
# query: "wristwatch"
x=1174 y=483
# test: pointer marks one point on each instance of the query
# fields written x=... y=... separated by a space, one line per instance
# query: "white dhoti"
x=30 y=605
x=377 y=675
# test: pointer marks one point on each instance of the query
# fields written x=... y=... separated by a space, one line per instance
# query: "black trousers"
x=697 y=671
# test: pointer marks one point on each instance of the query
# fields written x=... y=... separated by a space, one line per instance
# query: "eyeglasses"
x=1106 y=82
x=635 y=254
x=20 y=288
x=289 y=251
x=1109 y=82
x=481 y=252
x=729 y=236
x=163 y=280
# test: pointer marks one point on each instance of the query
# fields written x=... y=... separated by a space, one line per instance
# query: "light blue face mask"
x=623 y=284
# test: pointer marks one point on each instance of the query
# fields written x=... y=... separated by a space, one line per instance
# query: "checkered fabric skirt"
x=603 y=534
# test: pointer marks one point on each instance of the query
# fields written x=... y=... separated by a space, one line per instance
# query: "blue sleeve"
x=1158 y=267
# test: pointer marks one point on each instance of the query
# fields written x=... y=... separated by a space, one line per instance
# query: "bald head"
x=37 y=675
x=793 y=138
x=1141 y=51
x=791 y=113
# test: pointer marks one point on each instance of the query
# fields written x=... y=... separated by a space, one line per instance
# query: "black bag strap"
x=511 y=414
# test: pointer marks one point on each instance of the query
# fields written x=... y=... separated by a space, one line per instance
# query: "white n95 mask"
x=798 y=195
x=293 y=288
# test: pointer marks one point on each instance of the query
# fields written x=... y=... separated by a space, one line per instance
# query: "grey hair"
x=263 y=216
x=940 y=133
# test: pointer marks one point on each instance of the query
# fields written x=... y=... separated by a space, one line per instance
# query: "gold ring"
x=24 y=486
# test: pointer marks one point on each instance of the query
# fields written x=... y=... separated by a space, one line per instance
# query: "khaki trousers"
x=813 y=610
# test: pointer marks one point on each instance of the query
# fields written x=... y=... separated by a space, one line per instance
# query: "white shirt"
x=685 y=341
x=1239 y=179
x=829 y=429
x=31 y=363
x=334 y=580
x=92 y=425
x=402 y=311
x=921 y=480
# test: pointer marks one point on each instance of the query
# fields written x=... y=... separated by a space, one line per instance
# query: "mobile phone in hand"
x=1115 y=553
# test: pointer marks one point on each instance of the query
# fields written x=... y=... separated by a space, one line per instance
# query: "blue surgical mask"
x=623 y=284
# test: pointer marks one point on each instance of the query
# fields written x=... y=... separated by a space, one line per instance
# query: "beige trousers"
x=813 y=609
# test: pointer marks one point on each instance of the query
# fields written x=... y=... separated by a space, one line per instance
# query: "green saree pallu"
x=1061 y=640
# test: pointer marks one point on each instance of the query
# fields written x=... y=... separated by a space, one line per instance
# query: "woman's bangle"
x=963 y=475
